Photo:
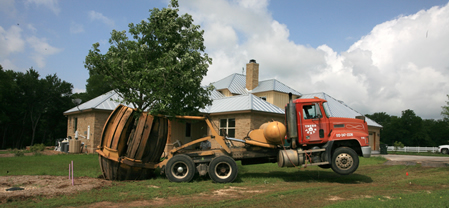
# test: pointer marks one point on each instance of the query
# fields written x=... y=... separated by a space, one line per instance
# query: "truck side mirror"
x=318 y=110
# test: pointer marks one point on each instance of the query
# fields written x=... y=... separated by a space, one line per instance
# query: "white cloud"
x=11 y=41
x=41 y=50
x=405 y=64
x=77 y=90
x=93 y=15
x=8 y=64
x=50 y=4
x=76 y=28
x=31 y=28
x=402 y=64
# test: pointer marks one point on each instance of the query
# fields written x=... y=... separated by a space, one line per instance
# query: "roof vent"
x=252 y=61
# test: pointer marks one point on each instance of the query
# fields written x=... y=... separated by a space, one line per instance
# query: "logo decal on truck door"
x=310 y=129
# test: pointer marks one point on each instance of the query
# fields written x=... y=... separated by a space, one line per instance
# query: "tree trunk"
x=19 y=140
x=3 y=139
x=43 y=137
x=33 y=126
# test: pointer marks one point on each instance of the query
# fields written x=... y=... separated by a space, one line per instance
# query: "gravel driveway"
x=425 y=161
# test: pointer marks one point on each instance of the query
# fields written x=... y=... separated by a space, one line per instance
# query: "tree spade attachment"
x=131 y=144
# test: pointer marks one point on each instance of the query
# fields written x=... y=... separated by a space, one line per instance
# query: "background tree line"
x=31 y=106
x=412 y=130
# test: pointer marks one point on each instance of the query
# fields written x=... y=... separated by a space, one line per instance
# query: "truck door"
x=315 y=124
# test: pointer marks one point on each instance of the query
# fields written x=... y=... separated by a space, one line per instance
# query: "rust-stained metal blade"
x=137 y=137
x=120 y=133
x=111 y=125
x=145 y=136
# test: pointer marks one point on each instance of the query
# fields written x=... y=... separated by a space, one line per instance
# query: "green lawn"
x=265 y=185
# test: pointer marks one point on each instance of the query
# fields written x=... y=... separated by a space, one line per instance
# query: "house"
x=89 y=119
x=240 y=103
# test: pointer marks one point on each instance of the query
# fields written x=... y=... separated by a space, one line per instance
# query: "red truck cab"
x=333 y=141
x=315 y=126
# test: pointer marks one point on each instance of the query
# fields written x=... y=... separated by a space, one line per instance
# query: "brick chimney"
x=252 y=74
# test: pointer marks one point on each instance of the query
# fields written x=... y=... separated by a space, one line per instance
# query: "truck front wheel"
x=223 y=169
x=344 y=161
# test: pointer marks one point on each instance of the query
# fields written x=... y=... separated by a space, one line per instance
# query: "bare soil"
x=45 y=152
x=46 y=186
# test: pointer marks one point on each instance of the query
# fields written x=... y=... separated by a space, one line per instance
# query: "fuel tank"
x=270 y=133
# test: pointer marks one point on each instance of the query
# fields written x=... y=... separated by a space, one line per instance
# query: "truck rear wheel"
x=445 y=151
x=344 y=161
x=180 y=168
x=223 y=169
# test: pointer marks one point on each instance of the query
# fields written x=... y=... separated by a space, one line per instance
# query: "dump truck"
x=131 y=146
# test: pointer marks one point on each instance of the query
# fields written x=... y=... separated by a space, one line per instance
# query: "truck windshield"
x=326 y=109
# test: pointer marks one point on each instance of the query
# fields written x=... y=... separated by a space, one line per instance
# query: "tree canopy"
x=160 y=67
x=411 y=130
x=445 y=111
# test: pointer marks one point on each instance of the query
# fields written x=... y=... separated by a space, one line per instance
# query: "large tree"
x=161 y=68
x=445 y=111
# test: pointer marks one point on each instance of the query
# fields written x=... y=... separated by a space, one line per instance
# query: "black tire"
x=180 y=168
x=327 y=166
x=344 y=161
x=223 y=169
x=445 y=151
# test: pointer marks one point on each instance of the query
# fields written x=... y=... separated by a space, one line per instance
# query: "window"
x=326 y=109
x=188 y=129
x=75 y=123
x=309 y=112
x=227 y=126
x=264 y=98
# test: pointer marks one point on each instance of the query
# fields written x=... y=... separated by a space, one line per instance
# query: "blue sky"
x=339 y=24
x=376 y=56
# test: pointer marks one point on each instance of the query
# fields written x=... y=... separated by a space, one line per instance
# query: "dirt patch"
x=45 y=152
x=334 y=198
x=407 y=163
x=230 y=192
x=47 y=186
x=234 y=191
x=423 y=163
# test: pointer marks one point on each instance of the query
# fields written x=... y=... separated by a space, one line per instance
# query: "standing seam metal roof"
x=236 y=84
x=106 y=101
x=275 y=85
x=241 y=103
x=220 y=103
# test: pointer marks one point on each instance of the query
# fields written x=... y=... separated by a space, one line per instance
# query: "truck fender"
x=328 y=146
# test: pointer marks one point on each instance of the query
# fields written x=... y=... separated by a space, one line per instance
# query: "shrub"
x=18 y=153
x=397 y=145
x=37 y=147
x=38 y=153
